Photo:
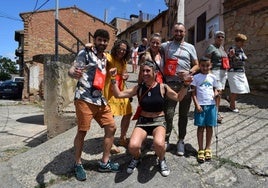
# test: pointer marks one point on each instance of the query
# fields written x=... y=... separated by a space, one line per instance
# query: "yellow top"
x=118 y=106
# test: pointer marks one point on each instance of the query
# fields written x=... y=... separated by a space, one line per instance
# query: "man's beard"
x=178 y=39
x=100 y=48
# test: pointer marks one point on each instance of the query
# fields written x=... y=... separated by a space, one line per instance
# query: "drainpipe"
x=56 y=31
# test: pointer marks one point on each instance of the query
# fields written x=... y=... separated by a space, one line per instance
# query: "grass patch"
x=9 y=153
x=223 y=161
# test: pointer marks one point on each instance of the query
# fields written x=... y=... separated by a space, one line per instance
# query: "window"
x=133 y=37
x=201 y=27
x=191 y=38
x=144 y=32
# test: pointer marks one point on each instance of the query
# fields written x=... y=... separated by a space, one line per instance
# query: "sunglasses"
x=220 y=37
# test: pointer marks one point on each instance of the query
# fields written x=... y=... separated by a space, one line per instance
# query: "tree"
x=7 y=67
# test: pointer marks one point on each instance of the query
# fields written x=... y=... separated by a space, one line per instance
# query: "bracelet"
x=113 y=81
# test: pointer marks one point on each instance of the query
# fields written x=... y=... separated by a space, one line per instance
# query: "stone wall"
x=250 y=17
x=59 y=113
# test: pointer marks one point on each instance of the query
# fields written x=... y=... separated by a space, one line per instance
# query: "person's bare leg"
x=209 y=132
x=159 y=135
x=232 y=100
x=108 y=142
x=135 y=142
x=200 y=136
x=78 y=145
x=125 y=121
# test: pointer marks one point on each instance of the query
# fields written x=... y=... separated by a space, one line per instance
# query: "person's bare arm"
x=195 y=66
x=130 y=92
x=196 y=104
x=75 y=73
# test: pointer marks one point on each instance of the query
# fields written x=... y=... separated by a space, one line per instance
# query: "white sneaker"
x=132 y=165
x=180 y=148
x=164 y=170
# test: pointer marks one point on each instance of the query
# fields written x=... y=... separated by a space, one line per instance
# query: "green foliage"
x=7 y=67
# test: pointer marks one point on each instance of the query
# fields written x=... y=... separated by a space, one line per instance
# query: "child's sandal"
x=208 y=154
x=201 y=156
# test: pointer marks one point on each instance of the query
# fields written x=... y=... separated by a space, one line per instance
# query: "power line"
x=4 y=15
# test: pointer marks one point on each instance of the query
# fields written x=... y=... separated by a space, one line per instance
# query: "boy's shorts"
x=85 y=112
x=208 y=117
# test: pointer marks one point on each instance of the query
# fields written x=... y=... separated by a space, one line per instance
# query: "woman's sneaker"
x=132 y=165
x=180 y=148
x=164 y=170
x=109 y=167
x=80 y=173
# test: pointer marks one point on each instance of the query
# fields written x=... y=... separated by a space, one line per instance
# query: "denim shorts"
x=208 y=117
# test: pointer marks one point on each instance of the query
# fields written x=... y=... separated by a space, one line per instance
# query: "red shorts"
x=85 y=112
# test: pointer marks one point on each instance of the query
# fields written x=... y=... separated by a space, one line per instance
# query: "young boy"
x=205 y=116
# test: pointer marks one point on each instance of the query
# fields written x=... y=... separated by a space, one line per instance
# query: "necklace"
x=149 y=92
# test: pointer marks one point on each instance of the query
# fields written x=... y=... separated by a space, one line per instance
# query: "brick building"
x=39 y=39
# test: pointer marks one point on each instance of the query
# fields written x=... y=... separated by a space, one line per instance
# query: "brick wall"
x=39 y=38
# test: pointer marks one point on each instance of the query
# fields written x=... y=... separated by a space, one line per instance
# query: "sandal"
x=201 y=156
x=208 y=154
x=114 y=150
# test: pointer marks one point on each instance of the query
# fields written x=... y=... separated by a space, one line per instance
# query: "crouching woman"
x=151 y=120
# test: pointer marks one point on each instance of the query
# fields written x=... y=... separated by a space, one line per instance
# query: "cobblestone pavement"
x=241 y=148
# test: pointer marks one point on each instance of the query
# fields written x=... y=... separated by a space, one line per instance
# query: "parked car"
x=18 y=79
x=11 y=90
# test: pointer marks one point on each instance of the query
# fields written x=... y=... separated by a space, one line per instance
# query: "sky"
x=10 y=20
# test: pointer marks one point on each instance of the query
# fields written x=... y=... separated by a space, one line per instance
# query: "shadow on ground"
x=36 y=119
x=62 y=165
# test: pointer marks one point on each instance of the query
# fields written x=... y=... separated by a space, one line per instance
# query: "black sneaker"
x=80 y=173
x=109 y=167
x=132 y=165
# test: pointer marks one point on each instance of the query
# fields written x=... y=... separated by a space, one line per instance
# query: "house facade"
x=144 y=25
x=39 y=39
x=250 y=17
x=204 y=17
x=121 y=24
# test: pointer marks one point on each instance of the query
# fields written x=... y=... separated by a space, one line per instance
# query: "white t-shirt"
x=204 y=84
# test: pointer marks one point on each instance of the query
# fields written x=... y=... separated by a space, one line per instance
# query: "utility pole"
x=56 y=31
